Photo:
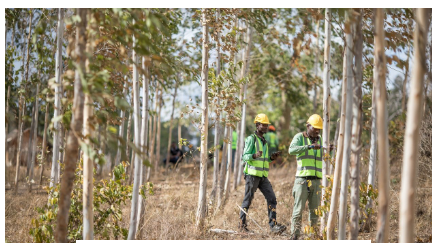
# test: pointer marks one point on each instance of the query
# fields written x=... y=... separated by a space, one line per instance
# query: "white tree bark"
x=347 y=140
x=87 y=171
x=121 y=132
x=34 y=147
x=356 y=145
x=228 y=173
x=158 y=136
x=44 y=140
x=331 y=223
x=223 y=168
x=245 y=67
x=326 y=109
x=137 y=167
x=144 y=139
x=412 y=132
x=382 y=127
x=57 y=102
x=153 y=131
x=202 y=205
x=21 y=111
x=315 y=97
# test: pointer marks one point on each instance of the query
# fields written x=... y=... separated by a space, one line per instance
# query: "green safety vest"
x=309 y=164
x=234 y=140
x=259 y=166
x=271 y=139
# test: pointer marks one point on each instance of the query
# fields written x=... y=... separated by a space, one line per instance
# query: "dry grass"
x=170 y=212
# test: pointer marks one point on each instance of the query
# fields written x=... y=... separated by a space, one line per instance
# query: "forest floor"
x=170 y=212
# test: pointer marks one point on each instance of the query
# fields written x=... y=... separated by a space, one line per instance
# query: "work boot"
x=277 y=228
x=243 y=228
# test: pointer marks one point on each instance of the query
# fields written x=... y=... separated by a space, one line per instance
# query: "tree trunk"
x=121 y=132
x=412 y=132
x=21 y=111
x=223 y=166
x=153 y=133
x=34 y=148
x=128 y=137
x=158 y=136
x=315 y=105
x=170 y=127
x=347 y=139
x=331 y=223
x=405 y=82
x=29 y=148
x=326 y=109
x=144 y=140
x=228 y=173
x=57 y=101
x=72 y=145
x=356 y=144
x=26 y=80
x=44 y=140
x=137 y=167
x=202 y=205
x=383 y=146
x=245 y=67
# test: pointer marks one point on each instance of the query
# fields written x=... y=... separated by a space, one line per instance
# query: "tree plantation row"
x=93 y=97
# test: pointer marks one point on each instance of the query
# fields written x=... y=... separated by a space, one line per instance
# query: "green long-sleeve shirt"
x=297 y=147
x=249 y=148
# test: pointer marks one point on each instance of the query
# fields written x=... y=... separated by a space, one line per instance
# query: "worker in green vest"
x=272 y=139
x=256 y=158
x=307 y=146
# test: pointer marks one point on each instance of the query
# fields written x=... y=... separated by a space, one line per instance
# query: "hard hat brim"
x=317 y=127
x=262 y=122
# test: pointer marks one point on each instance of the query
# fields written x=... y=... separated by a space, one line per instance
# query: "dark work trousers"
x=263 y=183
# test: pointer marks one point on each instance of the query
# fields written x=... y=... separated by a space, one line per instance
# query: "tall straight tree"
x=121 y=130
x=144 y=137
x=154 y=131
x=57 y=102
x=356 y=126
x=244 y=72
x=412 y=132
x=382 y=127
x=217 y=127
x=331 y=223
x=347 y=140
x=88 y=134
x=44 y=139
x=34 y=149
x=24 y=80
x=72 y=145
x=171 y=126
x=158 y=136
x=315 y=104
x=202 y=205
x=223 y=167
x=137 y=163
x=326 y=108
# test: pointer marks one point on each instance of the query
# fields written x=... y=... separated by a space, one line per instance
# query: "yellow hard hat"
x=316 y=121
x=262 y=118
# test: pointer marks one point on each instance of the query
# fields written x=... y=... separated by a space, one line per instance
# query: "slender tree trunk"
x=171 y=127
x=326 y=109
x=217 y=128
x=128 y=137
x=228 y=173
x=137 y=167
x=88 y=132
x=144 y=140
x=21 y=111
x=44 y=140
x=57 y=101
x=223 y=166
x=9 y=88
x=153 y=133
x=356 y=145
x=30 y=143
x=158 y=136
x=331 y=223
x=26 y=80
x=121 y=132
x=383 y=145
x=245 y=67
x=412 y=132
x=315 y=105
x=72 y=145
x=202 y=205
x=405 y=82
x=347 y=140
x=34 y=148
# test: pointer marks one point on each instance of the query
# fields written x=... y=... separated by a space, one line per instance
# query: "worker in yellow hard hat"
x=257 y=160
x=307 y=146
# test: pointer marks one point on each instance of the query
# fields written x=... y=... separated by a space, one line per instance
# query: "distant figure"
x=176 y=155
x=233 y=148
x=272 y=139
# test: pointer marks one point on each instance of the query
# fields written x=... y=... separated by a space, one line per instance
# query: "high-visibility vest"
x=271 y=139
x=234 y=140
x=259 y=166
x=309 y=164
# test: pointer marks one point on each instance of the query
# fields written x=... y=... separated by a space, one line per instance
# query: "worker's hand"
x=257 y=155
x=331 y=147
x=316 y=146
x=275 y=155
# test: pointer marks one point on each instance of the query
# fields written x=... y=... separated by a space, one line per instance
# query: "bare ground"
x=170 y=212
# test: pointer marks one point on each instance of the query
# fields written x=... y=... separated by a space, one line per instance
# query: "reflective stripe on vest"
x=309 y=164
x=259 y=166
